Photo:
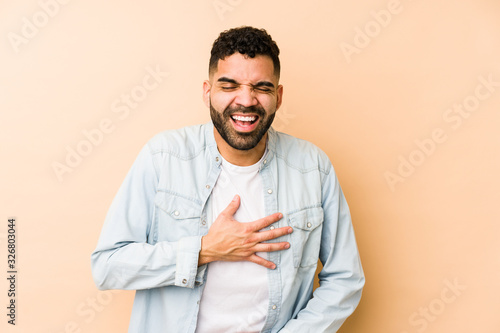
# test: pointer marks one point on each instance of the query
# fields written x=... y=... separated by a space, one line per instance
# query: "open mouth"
x=245 y=123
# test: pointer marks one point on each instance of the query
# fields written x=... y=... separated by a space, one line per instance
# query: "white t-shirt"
x=236 y=297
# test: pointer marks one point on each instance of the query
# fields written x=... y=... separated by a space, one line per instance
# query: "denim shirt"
x=151 y=237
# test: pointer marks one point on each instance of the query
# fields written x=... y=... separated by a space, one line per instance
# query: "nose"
x=246 y=96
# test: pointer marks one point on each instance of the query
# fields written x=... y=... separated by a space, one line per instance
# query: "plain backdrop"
x=403 y=96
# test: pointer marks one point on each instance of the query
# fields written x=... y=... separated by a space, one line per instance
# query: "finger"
x=265 y=221
x=271 y=247
x=233 y=206
x=272 y=234
x=261 y=261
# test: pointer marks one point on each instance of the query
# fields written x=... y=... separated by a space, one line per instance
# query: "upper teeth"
x=242 y=118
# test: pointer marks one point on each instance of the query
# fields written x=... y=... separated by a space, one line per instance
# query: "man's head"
x=243 y=91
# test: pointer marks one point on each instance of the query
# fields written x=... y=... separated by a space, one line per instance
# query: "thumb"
x=233 y=206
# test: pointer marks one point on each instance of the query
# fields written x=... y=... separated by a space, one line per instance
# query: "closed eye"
x=263 y=89
x=229 y=87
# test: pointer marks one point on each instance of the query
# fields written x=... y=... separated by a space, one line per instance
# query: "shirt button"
x=271 y=227
x=176 y=213
x=269 y=191
x=265 y=162
x=274 y=307
x=309 y=224
x=184 y=281
x=217 y=159
x=203 y=222
x=207 y=186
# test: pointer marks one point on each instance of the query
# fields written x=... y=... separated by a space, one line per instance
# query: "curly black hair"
x=245 y=40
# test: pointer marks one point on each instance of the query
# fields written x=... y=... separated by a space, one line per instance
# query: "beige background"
x=365 y=100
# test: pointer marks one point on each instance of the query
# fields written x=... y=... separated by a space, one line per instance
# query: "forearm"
x=332 y=303
x=144 y=266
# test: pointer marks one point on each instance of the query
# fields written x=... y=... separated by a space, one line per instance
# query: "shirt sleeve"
x=123 y=258
x=342 y=278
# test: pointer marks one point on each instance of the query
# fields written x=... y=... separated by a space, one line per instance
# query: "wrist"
x=204 y=257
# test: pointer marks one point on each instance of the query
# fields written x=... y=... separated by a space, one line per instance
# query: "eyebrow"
x=258 y=84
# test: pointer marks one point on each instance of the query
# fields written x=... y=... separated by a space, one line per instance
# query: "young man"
x=219 y=227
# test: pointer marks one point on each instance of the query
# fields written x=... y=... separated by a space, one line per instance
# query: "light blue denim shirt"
x=151 y=238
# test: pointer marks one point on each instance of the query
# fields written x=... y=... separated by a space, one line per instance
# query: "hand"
x=230 y=240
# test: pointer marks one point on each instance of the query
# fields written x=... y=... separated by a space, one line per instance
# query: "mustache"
x=242 y=109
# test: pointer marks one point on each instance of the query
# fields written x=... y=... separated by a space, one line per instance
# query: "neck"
x=240 y=157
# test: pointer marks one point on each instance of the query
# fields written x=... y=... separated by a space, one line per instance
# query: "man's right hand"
x=230 y=240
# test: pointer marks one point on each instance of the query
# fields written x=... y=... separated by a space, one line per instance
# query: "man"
x=219 y=227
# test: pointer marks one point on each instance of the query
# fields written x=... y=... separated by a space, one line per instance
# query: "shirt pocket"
x=306 y=235
x=176 y=216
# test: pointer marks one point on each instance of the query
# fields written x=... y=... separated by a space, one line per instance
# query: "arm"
x=342 y=278
x=123 y=258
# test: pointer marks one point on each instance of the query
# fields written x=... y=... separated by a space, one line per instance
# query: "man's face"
x=243 y=96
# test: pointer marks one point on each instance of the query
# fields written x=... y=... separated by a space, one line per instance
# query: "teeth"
x=242 y=118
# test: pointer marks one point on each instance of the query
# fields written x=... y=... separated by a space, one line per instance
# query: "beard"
x=239 y=140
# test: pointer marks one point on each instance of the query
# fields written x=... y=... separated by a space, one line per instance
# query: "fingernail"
x=280 y=216
x=287 y=245
x=290 y=230
x=235 y=197
x=273 y=267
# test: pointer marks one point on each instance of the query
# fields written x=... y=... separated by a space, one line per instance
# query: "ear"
x=279 y=96
x=206 y=92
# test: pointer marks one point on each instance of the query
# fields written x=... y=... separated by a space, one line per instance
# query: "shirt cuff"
x=188 y=251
